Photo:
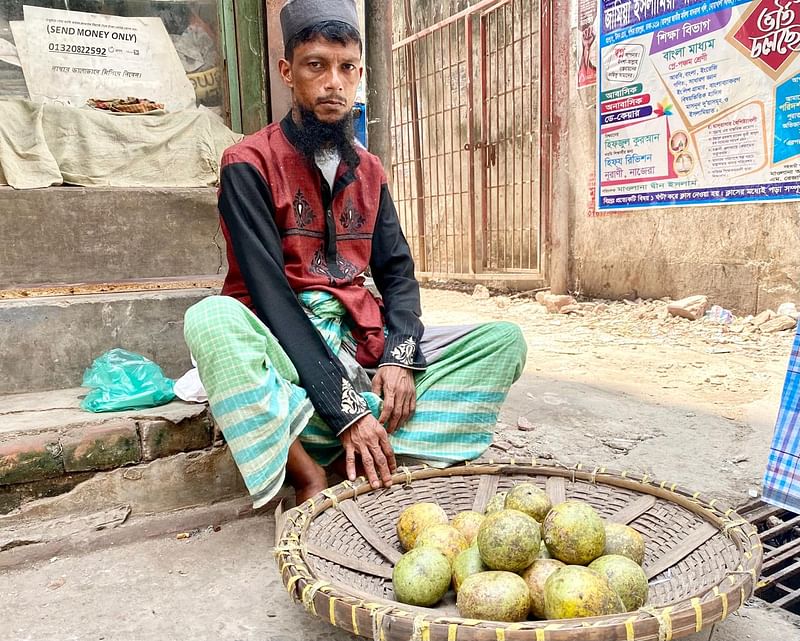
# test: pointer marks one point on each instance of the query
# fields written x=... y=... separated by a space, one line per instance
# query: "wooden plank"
x=779 y=529
x=783 y=574
x=112 y=287
x=762 y=514
x=556 y=488
x=697 y=537
x=790 y=599
x=789 y=555
x=487 y=488
x=227 y=25
x=250 y=48
x=633 y=510
x=373 y=569
x=356 y=517
x=747 y=508
x=782 y=553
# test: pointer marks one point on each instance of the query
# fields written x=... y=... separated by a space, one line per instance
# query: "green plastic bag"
x=122 y=380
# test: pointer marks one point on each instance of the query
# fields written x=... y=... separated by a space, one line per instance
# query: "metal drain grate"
x=779 y=531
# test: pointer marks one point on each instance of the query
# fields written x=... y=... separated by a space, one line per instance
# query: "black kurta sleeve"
x=245 y=203
x=393 y=272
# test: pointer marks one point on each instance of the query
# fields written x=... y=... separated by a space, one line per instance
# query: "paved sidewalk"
x=217 y=585
x=225 y=586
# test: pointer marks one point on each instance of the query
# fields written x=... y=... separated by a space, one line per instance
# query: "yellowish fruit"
x=536 y=576
x=465 y=565
x=496 y=503
x=444 y=538
x=529 y=498
x=468 y=523
x=574 y=533
x=575 y=592
x=417 y=518
x=626 y=578
x=624 y=540
x=494 y=596
x=509 y=540
x=421 y=577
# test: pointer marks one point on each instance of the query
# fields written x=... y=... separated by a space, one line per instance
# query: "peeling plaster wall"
x=744 y=257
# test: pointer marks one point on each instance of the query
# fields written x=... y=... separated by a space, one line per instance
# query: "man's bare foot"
x=339 y=467
x=305 y=492
x=306 y=476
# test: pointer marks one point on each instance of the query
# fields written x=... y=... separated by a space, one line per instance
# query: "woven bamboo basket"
x=336 y=553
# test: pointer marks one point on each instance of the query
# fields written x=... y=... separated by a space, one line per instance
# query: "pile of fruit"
x=522 y=558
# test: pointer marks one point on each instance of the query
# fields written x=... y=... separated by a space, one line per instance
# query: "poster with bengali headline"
x=698 y=103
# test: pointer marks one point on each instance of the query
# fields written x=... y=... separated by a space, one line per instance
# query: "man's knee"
x=208 y=317
x=511 y=341
x=509 y=335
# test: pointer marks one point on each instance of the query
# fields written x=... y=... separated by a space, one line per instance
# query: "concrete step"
x=57 y=460
x=48 y=342
x=73 y=234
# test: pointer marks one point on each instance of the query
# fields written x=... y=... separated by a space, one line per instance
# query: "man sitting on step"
x=303 y=367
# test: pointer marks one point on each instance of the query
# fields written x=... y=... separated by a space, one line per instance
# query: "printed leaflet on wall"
x=698 y=102
x=70 y=57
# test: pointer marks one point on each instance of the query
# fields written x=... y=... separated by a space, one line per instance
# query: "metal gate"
x=466 y=135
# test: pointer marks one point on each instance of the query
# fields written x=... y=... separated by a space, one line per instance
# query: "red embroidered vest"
x=323 y=249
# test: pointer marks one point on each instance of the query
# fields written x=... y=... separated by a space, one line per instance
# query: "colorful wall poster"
x=698 y=102
x=588 y=25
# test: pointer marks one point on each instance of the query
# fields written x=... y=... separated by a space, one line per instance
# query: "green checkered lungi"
x=255 y=398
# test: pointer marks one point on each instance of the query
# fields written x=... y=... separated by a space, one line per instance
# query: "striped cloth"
x=254 y=395
x=782 y=479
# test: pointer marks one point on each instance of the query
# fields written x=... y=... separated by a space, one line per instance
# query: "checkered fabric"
x=782 y=478
x=254 y=395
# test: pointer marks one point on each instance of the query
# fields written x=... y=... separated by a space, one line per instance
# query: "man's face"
x=324 y=77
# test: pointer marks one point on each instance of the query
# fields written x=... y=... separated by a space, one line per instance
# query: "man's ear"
x=285 y=69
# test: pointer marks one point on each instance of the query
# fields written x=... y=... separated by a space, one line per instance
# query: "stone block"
x=164 y=438
x=778 y=324
x=102 y=233
x=692 y=307
x=47 y=343
x=177 y=482
x=30 y=459
x=102 y=447
x=13 y=497
x=763 y=317
x=555 y=304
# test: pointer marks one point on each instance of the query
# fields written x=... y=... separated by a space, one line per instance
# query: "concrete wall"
x=47 y=343
x=80 y=235
x=744 y=257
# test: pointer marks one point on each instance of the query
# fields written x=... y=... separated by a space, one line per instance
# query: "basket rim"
x=678 y=618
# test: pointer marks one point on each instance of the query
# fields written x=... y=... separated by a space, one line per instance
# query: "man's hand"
x=368 y=439
x=396 y=385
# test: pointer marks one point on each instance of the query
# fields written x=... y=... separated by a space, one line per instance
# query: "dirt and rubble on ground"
x=629 y=385
x=588 y=328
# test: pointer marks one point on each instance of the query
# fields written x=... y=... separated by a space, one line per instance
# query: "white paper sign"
x=8 y=53
x=70 y=57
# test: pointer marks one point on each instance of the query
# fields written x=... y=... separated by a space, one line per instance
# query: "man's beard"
x=314 y=136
